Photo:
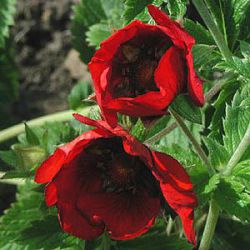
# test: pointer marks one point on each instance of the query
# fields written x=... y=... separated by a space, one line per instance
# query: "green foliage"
x=77 y=95
x=235 y=124
x=31 y=137
x=26 y=226
x=90 y=25
x=234 y=198
x=229 y=16
x=212 y=184
x=185 y=108
x=139 y=130
x=177 y=8
x=199 y=32
x=7 y=11
x=134 y=7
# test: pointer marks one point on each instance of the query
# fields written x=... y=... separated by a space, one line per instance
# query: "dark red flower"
x=107 y=180
x=140 y=69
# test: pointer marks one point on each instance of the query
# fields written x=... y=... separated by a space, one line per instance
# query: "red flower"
x=107 y=180
x=140 y=69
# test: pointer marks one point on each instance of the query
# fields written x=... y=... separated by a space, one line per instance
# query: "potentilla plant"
x=160 y=157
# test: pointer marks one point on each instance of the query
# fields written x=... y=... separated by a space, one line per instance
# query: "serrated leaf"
x=233 y=198
x=97 y=33
x=245 y=49
x=185 y=108
x=7 y=11
x=177 y=8
x=212 y=184
x=217 y=153
x=139 y=130
x=78 y=93
x=228 y=15
x=225 y=97
x=134 y=7
x=199 y=32
x=242 y=172
x=86 y=13
x=236 y=121
x=93 y=21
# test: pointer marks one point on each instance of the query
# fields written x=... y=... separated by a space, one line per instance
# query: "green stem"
x=15 y=130
x=209 y=21
x=238 y=153
x=162 y=133
x=211 y=222
x=195 y=144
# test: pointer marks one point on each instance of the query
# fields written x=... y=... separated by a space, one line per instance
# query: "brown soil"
x=48 y=66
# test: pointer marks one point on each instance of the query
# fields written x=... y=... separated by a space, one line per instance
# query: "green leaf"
x=233 y=197
x=86 y=13
x=228 y=15
x=17 y=174
x=78 y=93
x=212 y=184
x=236 y=121
x=177 y=8
x=31 y=136
x=94 y=20
x=97 y=33
x=25 y=226
x=7 y=11
x=242 y=173
x=159 y=125
x=245 y=49
x=185 y=108
x=199 y=32
x=134 y=7
x=225 y=97
x=217 y=153
x=139 y=130
x=9 y=157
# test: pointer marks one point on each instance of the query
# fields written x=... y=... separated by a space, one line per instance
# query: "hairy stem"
x=238 y=153
x=195 y=144
x=213 y=28
x=213 y=215
x=162 y=133
x=15 y=130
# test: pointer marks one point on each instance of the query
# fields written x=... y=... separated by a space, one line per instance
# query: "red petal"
x=173 y=29
x=195 y=85
x=183 y=204
x=168 y=169
x=75 y=223
x=50 y=167
x=51 y=194
x=170 y=74
x=64 y=154
x=151 y=103
x=125 y=215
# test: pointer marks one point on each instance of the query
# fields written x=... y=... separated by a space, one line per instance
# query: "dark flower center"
x=119 y=170
x=135 y=62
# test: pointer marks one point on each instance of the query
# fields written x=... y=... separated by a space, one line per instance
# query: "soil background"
x=48 y=65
